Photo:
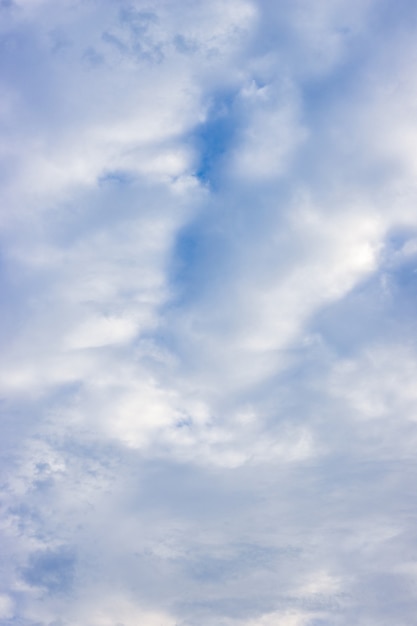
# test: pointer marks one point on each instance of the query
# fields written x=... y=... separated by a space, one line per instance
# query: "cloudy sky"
x=208 y=277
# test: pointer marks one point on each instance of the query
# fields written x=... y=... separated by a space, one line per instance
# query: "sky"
x=208 y=273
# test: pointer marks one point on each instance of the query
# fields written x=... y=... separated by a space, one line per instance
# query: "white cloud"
x=283 y=618
x=102 y=331
x=6 y=607
x=208 y=229
x=116 y=609
x=272 y=133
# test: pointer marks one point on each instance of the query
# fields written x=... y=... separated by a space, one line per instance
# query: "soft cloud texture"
x=208 y=268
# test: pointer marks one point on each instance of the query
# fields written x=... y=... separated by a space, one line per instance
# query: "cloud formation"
x=208 y=261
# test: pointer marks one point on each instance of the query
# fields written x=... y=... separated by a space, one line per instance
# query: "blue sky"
x=208 y=274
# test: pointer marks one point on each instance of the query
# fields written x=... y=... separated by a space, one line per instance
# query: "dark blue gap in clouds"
x=214 y=137
x=200 y=258
x=211 y=254
x=229 y=230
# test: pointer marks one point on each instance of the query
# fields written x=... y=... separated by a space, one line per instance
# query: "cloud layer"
x=208 y=268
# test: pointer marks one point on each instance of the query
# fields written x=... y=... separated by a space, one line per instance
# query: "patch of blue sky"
x=214 y=138
x=222 y=236
x=194 y=253
x=202 y=255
